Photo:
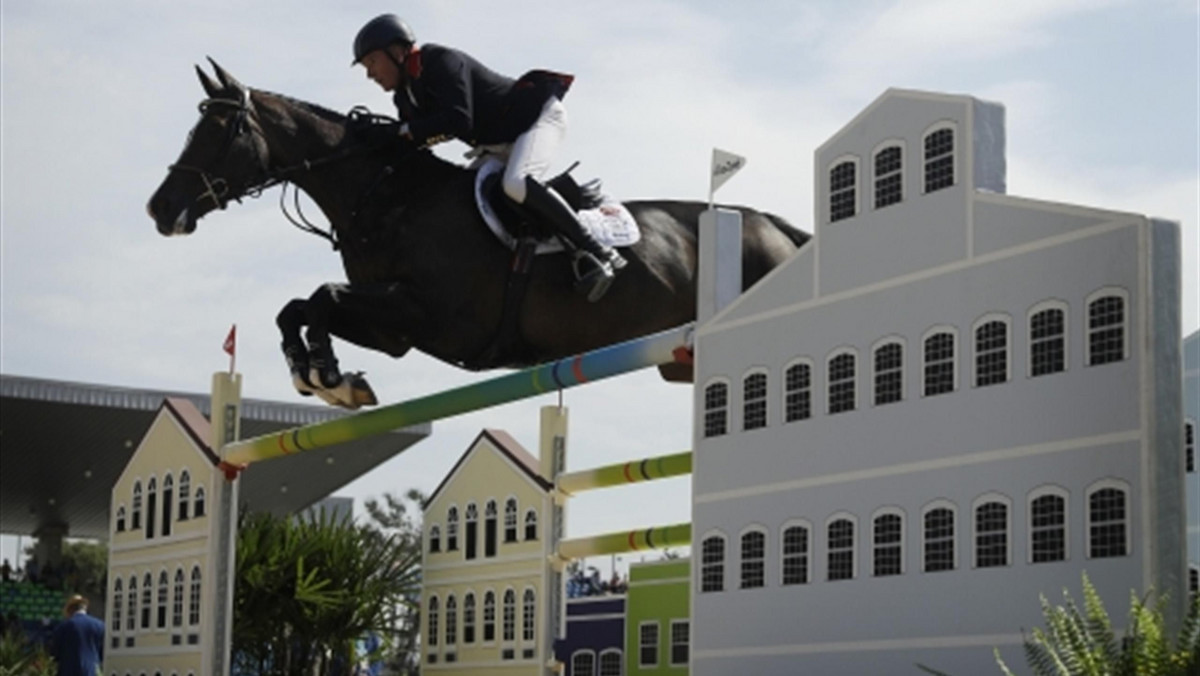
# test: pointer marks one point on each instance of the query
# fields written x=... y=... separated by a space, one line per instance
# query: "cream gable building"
x=160 y=562
x=485 y=554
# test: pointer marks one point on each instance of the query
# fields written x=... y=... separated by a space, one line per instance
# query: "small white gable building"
x=950 y=401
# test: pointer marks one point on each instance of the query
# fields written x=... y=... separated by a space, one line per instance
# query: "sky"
x=96 y=100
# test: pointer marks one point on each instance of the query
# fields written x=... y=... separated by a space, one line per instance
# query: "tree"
x=308 y=590
x=403 y=655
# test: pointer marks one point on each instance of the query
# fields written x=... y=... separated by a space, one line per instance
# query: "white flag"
x=724 y=166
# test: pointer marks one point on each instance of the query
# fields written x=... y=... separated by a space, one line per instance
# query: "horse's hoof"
x=361 y=392
x=302 y=386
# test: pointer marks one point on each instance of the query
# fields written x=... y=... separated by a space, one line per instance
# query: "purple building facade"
x=595 y=641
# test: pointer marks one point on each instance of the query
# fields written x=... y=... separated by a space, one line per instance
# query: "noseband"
x=215 y=187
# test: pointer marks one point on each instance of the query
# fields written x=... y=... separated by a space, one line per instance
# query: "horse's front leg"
x=289 y=320
x=319 y=364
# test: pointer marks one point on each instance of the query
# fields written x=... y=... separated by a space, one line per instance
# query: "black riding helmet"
x=380 y=32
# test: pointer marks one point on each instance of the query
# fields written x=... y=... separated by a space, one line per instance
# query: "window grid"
x=797 y=394
x=754 y=401
x=451 y=621
x=889 y=531
x=583 y=663
x=177 y=601
x=433 y=622
x=1106 y=330
x=648 y=644
x=939 y=540
x=716 y=401
x=1106 y=534
x=118 y=597
x=939 y=160
x=841 y=550
x=680 y=641
x=452 y=529
x=489 y=616
x=889 y=383
x=528 y=615
x=991 y=535
x=991 y=353
x=754 y=552
x=435 y=539
x=1189 y=446
x=888 y=188
x=185 y=488
x=509 y=620
x=164 y=593
x=131 y=605
x=795 y=555
x=469 y=618
x=136 y=517
x=147 y=600
x=531 y=525
x=712 y=564
x=1048 y=529
x=939 y=364
x=841 y=191
x=841 y=383
x=610 y=663
x=510 y=520
x=1047 y=342
x=194 y=598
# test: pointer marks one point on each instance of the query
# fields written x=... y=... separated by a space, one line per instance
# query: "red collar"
x=412 y=64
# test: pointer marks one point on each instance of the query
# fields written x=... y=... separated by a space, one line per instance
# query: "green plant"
x=18 y=657
x=1084 y=643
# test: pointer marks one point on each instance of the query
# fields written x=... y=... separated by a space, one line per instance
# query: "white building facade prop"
x=949 y=402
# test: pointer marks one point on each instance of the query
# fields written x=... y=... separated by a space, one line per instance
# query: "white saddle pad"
x=610 y=223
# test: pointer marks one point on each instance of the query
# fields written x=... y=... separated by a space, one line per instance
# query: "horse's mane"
x=317 y=110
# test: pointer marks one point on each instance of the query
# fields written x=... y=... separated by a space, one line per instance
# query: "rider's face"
x=382 y=70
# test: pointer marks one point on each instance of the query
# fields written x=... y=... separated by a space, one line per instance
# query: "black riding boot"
x=595 y=264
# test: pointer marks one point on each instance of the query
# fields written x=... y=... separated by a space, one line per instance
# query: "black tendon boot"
x=595 y=265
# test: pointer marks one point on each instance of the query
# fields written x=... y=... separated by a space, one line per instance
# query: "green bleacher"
x=31 y=602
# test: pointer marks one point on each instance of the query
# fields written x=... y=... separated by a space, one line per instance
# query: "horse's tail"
x=798 y=236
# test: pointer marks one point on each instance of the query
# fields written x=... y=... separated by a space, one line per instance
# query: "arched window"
x=1106 y=336
x=843 y=185
x=795 y=554
x=888 y=540
x=469 y=618
x=471 y=535
x=1048 y=339
x=136 y=519
x=531 y=525
x=121 y=519
x=451 y=621
x=452 y=529
x=939 y=362
x=198 y=502
x=754 y=401
x=889 y=372
x=611 y=662
x=164 y=590
x=151 y=505
x=435 y=539
x=797 y=392
x=147 y=606
x=583 y=663
x=490 y=526
x=185 y=487
x=528 y=616
x=509 y=621
x=489 y=616
x=939 y=159
x=939 y=537
x=991 y=531
x=177 y=600
x=889 y=187
x=991 y=351
x=431 y=637
x=1108 y=518
x=510 y=520
x=840 y=544
x=194 y=598
x=841 y=369
x=1048 y=525
x=167 y=505
x=712 y=563
x=118 y=598
x=754 y=554
x=131 y=605
x=716 y=409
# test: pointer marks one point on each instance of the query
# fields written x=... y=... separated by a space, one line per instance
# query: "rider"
x=443 y=93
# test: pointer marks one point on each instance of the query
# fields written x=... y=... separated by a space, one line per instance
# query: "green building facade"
x=657 y=626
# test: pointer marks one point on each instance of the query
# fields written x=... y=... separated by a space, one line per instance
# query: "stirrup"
x=595 y=281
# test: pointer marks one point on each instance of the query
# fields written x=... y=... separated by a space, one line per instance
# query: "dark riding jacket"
x=446 y=94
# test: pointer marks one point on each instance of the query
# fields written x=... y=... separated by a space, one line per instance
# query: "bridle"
x=217 y=189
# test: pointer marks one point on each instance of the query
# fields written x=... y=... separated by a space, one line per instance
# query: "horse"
x=422 y=268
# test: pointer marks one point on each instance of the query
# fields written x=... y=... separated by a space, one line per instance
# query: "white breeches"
x=534 y=150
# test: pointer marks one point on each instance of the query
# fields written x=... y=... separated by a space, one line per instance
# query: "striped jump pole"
x=649 y=469
x=672 y=345
x=658 y=537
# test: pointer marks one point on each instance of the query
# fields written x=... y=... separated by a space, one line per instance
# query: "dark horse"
x=423 y=269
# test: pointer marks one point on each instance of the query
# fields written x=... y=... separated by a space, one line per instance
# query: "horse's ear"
x=227 y=80
x=211 y=88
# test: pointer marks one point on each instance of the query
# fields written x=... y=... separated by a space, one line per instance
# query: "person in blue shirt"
x=443 y=93
x=79 y=641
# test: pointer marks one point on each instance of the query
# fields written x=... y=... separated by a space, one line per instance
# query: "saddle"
x=519 y=223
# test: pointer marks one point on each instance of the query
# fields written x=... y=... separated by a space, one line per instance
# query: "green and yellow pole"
x=659 y=537
x=620 y=474
x=665 y=347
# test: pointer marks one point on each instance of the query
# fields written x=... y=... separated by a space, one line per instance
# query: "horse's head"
x=224 y=159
